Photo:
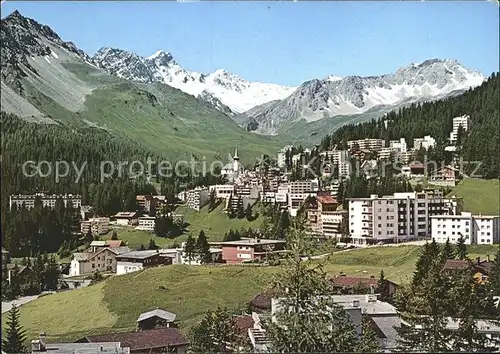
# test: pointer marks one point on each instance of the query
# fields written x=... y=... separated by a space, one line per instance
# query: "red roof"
x=243 y=323
x=345 y=281
x=141 y=340
x=326 y=199
x=114 y=243
x=417 y=165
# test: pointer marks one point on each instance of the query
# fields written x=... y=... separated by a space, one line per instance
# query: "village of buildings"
x=371 y=221
x=375 y=220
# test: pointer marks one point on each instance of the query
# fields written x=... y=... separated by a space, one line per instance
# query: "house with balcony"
x=250 y=249
x=138 y=260
x=102 y=259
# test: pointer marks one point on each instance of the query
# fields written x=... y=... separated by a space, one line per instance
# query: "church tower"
x=236 y=161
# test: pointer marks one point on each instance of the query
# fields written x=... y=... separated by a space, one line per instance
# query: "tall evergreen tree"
x=14 y=337
x=306 y=319
x=203 y=249
x=152 y=245
x=447 y=251
x=52 y=274
x=495 y=274
x=383 y=287
x=461 y=248
x=212 y=201
x=470 y=302
x=424 y=322
x=248 y=212
x=240 y=211
x=189 y=251
x=214 y=334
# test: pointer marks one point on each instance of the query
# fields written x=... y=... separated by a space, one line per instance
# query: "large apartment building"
x=366 y=144
x=426 y=142
x=147 y=203
x=197 y=198
x=399 y=145
x=475 y=229
x=324 y=218
x=400 y=217
x=298 y=192
x=463 y=121
x=222 y=191
x=28 y=200
x=97 y=226
x=339 y=158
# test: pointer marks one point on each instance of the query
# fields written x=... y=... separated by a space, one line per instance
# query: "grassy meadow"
x=189 y=291
x=480 y=195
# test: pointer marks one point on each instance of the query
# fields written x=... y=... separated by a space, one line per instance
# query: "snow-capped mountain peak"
x=228 y=92
x=333 y=78
x=333 y=96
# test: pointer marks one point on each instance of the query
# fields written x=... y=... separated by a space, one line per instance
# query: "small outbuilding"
x=156 y=318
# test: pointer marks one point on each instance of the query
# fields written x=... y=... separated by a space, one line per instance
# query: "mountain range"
x=40 y=72
x=221 y=88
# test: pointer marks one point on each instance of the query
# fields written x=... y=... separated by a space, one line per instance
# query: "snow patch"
x=54 y=54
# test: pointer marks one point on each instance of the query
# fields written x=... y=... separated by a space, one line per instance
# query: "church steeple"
x=235 y=157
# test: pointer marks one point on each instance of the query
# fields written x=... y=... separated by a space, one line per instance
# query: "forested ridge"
x=436 y=119
x=88 y=147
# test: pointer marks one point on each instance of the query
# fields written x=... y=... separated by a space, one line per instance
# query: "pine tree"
x=52 y=274
x=447 y=251
x=423 y=312
x=368 y=342
x=189 y=251
x=383 y=287
x=152 y=245
x=428 y=259
x=215 y=333
x=240 y=211
x=461 y=248
x=306 y=320
x=495 y=274
x=203 y=249
x=14 y=337
x=213 y=201
x=142 y=247
x=114 y=235
x=470 y=302
x=248 y=212
x=89 y=237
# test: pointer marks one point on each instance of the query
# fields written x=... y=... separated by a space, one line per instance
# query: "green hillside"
x=159 y=117
x=215 y=224
x=480 y=195
x=189 y=291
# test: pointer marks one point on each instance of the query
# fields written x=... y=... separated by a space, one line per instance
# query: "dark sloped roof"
x=153 y=338
x=243 y=323
x=261 y=301
x=168 y=316
x=353 y=281
x=456 y=264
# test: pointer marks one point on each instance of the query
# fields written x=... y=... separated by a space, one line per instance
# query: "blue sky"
x=283 y=42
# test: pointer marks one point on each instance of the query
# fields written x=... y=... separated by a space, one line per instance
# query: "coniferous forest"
x=84 y=149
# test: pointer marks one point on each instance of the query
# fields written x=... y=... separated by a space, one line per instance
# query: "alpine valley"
x=163 y=106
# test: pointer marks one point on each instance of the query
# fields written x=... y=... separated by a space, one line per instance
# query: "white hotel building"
x=400 y=217
x=475 y=229
x=463 y=121
x=28 y=200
